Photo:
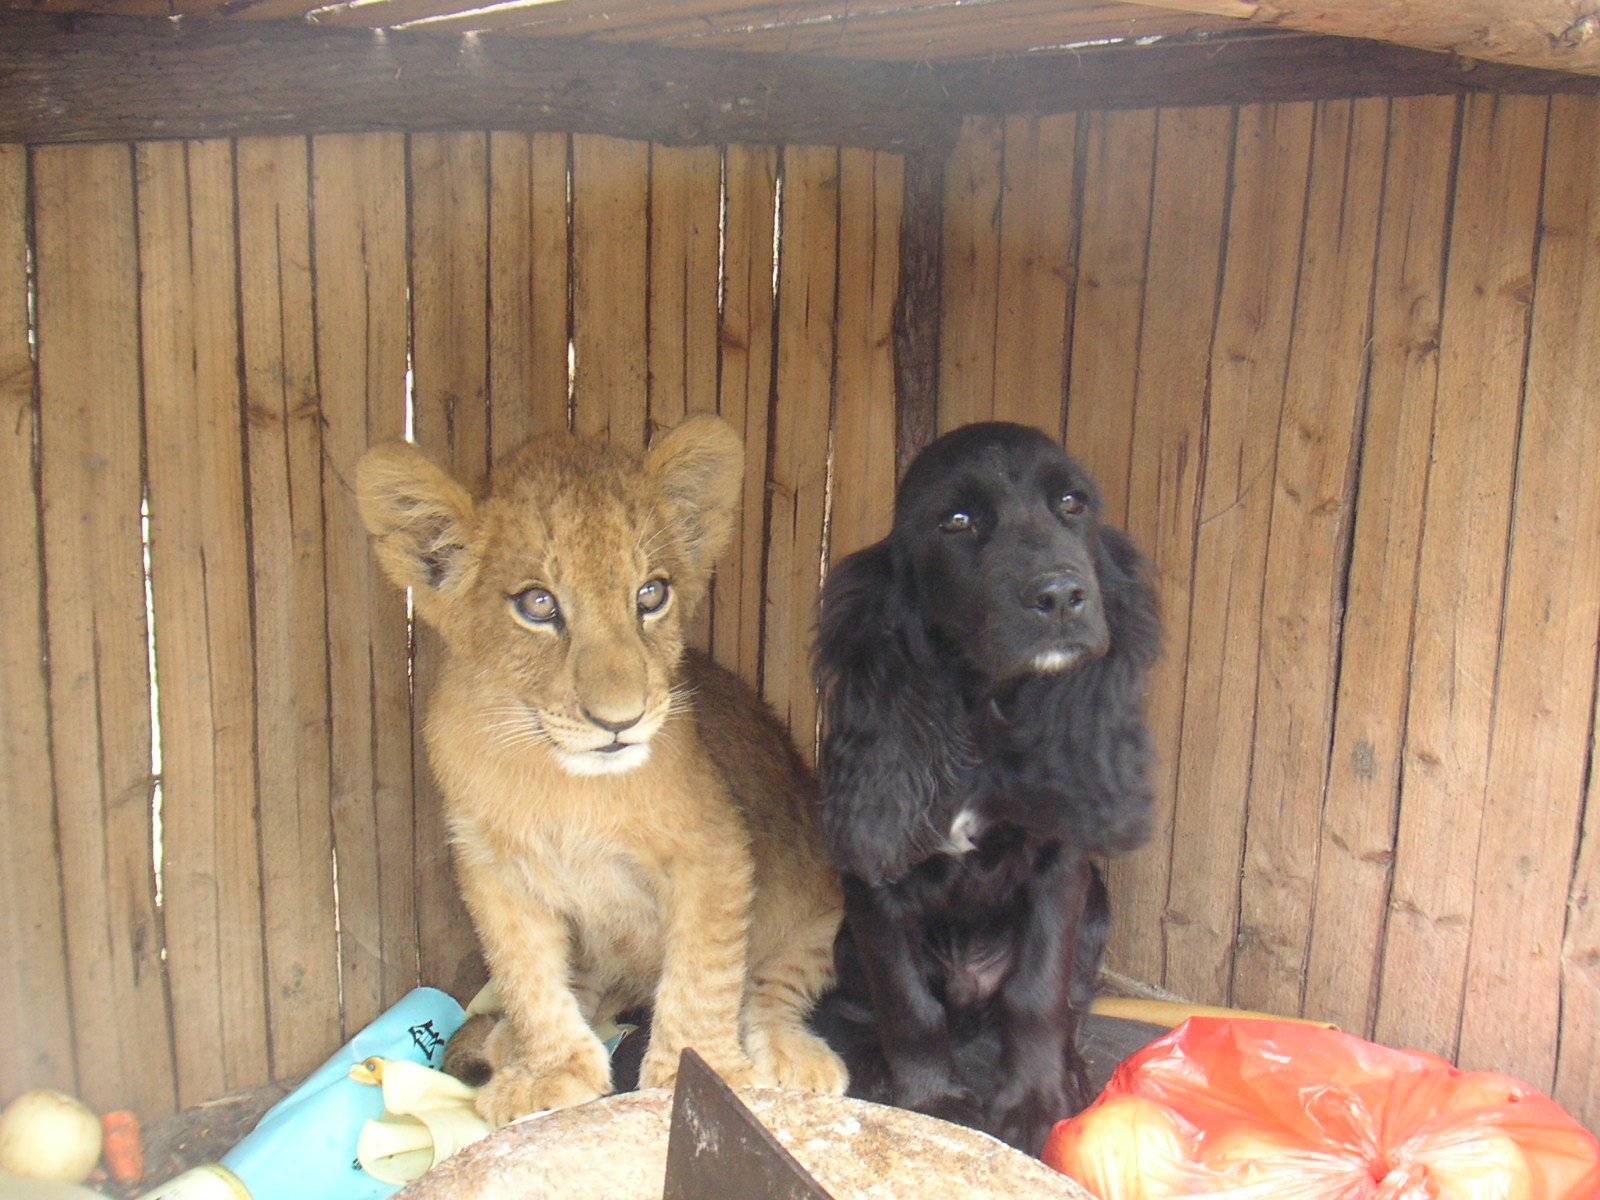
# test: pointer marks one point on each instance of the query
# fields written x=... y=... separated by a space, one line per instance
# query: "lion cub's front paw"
x=795 y=1059
x=661 y=1070
x=518 y=1089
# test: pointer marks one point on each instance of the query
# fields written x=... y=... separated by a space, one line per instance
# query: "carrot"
x=122 y=1150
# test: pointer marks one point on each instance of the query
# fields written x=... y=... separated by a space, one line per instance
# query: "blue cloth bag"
x=304 y=1147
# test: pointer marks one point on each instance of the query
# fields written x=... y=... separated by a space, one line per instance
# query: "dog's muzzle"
x=1066 y=618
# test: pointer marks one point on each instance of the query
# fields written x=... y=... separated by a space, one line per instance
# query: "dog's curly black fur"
x=983 y=672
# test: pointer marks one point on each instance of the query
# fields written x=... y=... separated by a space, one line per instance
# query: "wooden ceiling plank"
x=128 y=8
x=1545 y=34
x=824 y=24
x=556 y=18
x=1239 y=71
x=1551 y=34
x=831 y=16
x=644 y=20
x=251 y=10
x=806 y=26
x=900 y=31
x=959 y=36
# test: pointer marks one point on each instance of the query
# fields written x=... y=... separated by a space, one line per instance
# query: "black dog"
x=983 y=672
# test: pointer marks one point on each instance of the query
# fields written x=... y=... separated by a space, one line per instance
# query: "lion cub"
x=631 y=825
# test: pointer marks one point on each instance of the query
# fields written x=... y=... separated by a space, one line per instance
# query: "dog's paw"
x=795 y=1059
x=660 y=1070
x=958 y=1105
x=518 y=1089
x=1023 y=1118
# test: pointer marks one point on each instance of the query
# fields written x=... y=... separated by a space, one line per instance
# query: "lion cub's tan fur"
x=631 y=825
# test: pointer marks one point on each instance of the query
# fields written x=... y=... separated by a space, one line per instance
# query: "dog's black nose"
x=1058 y=596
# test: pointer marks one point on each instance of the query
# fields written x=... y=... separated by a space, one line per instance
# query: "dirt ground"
x=199 y=1135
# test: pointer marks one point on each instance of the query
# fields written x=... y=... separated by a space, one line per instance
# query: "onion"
x=1124 y=1148
x=1272 y=1162
x=1240 y=1151
x=1489 y=1166
x=49 y=1135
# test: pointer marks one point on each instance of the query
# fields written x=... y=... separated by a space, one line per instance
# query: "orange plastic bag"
x=1275 y=1110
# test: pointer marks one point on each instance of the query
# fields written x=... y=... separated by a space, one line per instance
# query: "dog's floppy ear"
x=893 y=739
x=1077 y=744
x=418 y=517
x=699 y=467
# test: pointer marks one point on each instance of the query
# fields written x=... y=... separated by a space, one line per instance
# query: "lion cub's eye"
x=1072 y=504
x=956 y=522
x=536 y=605
x=652 y=596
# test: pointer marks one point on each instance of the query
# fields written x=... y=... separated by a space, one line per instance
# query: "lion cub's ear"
x=417 y=516
x=699 y=467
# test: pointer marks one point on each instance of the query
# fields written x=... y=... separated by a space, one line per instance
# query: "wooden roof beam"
x=79 y=79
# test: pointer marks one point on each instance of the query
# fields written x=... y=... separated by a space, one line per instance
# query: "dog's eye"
x=536 y=606
x=956 y=522
x=1072 y=504
x=653 y=596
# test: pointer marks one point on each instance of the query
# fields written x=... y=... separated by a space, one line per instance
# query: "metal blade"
x=718 y=1150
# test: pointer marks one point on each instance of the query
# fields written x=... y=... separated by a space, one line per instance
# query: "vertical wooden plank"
x=358 y=205
x=1578 y=1068
x=450 y=420
x=200 y=576
x=1188 y=217
x=33 y=973
x=528 y=330
x=1249 y=361
x=1038 y=238
x=801 y=415
x=1460 y=582
x=1306 y=552
x=284 y=435
x=916 y=309
x=610 y=252
x=685 y=207
x=1119 y=163
x=744 y=394
x=871 y=187
x=685 y=212
x=1540 y=742
x=1356 y=848
x=449 y=268
x=971 y=289
x=90 y=443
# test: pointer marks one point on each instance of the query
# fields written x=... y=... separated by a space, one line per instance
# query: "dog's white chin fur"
x=1051 y=662
x=593 y=762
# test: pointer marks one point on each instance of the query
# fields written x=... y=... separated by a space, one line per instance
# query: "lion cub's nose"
x=613 y=726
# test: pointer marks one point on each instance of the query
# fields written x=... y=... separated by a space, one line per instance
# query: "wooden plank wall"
x=1333 y=364
x=1335 y=367
x=225 y=854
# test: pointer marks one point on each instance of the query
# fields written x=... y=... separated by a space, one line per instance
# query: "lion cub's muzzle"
x=616 y=712
x=628 y=734
x=596 y=746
